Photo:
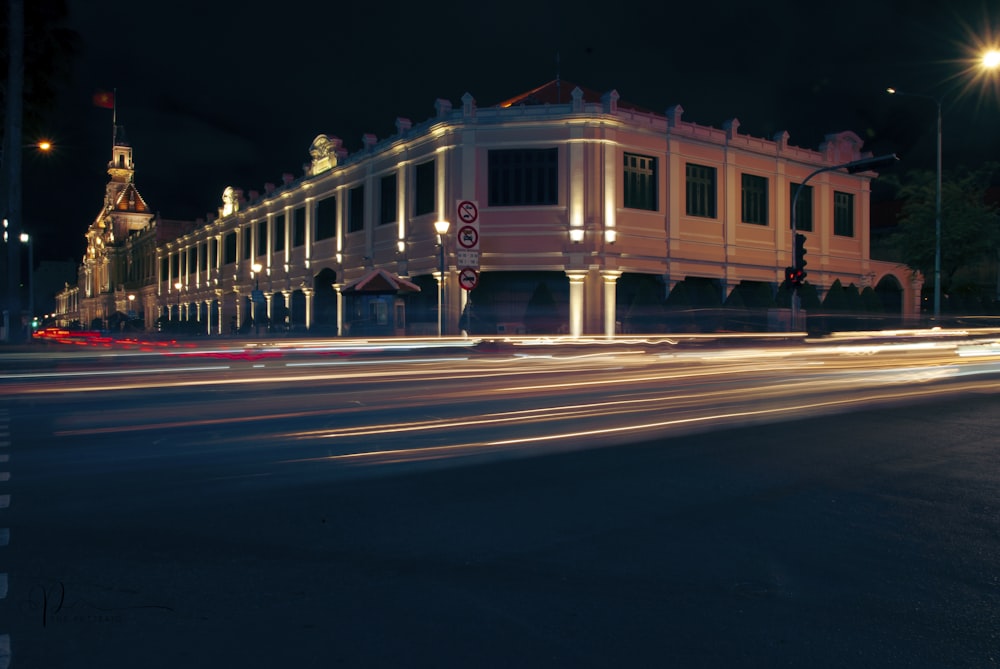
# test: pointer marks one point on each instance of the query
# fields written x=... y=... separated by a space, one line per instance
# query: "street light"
x=178 y=287
x=131 y=306
x=27 y=239
x=255 y=268
x=10 y=201
x=937 y=201
x=441 y=227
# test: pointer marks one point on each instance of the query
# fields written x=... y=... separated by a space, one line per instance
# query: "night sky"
x=223 y=93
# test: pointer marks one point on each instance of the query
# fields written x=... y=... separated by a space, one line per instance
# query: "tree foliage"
x=49 y=51
x=970 y=227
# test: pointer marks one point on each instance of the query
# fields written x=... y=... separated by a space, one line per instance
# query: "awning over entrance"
x=381 y=281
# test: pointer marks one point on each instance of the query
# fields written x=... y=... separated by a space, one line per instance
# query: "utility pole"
x=11 y=157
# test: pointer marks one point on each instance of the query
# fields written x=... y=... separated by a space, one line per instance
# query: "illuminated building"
x=120 y=258
x=585 y=203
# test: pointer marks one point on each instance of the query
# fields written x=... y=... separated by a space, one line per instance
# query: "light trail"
x=648 y=429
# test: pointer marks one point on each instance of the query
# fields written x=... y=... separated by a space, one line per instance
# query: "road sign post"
x=467 y=249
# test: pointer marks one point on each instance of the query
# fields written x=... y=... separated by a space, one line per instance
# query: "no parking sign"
x=467 y=238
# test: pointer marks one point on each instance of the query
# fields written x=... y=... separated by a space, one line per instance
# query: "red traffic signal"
x=795 y=276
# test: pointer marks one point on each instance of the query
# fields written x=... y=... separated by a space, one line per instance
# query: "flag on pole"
x=104 y=99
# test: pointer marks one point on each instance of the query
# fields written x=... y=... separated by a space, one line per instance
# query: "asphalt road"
x=864 y=538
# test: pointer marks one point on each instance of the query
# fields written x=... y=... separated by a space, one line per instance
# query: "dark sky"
x=215 y=93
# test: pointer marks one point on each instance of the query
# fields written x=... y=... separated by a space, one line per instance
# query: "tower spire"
x=114 y=118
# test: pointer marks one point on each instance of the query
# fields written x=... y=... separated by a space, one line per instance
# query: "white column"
x=288 y=307
x=576 y=279
x=340 y=309
x=610 y=301
x=308 y=292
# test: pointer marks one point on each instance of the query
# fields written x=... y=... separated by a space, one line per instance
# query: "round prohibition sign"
x=468 y=278
x=468 y=211
x=468 y=237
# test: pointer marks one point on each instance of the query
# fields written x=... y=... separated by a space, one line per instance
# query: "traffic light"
x=794 y=276
x=800 y=253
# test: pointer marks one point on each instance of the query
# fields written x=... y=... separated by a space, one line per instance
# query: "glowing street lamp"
x=441 y=228
x=11 y=205
x=26 y=239
x=991 y=59
x=255 y=268
x=178 y=287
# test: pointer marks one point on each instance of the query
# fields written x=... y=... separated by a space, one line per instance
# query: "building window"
x=701 y=191
x=640 y=182
x=164 y=267
x=299 y=226
x=261 y=237
x=423 y=186
x=523 y=177
x=754 y=199
x=326 y=218
x=229 y=250
x=843 y=214
x=247 y=240
x=803 y=208
x=356 y=209
x=387 y=199
x=279 y=232
x=204 y=257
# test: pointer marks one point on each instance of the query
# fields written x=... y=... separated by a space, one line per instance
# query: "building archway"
x=639 y=303
x=518 y=302
x=422 y=307
x=890 y=292
x=325 y=301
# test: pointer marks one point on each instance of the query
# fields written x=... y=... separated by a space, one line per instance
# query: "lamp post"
x=178 y=287
x=255 y=269
x=10 y=201
x=441 y=227
x=27 y=239
x=131 y=306
x=937 y=200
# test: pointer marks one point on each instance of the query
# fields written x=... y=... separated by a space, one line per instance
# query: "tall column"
x=308 y=292
x=287 y=294
x=208 y=317
x=340 y=309
x=218 y=302
x=610 y=301
x=268 y=309
x=576 y=279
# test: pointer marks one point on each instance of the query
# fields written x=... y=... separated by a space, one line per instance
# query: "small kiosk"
x=374 y=304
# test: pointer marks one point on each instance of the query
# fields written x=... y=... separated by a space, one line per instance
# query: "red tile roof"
x=381 y=281
x=130 y=200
